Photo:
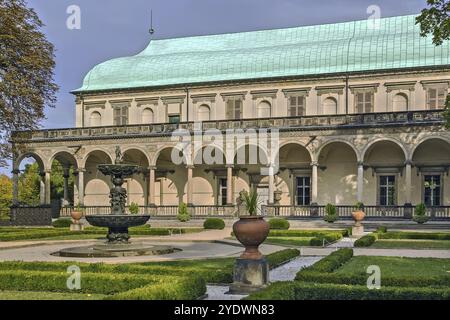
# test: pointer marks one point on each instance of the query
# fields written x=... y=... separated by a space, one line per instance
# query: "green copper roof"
x=311 y=50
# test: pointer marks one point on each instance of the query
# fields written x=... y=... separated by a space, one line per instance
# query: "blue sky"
x=114 y=28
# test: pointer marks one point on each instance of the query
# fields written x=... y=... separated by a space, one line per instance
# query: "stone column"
x=42 y=188
x=229 y=184
x=151 y=186
x=190 y=187
x=314 y=181
x=360 y=181
x=15 y=181
x=66 y=185
x=271 y=185
x=408 y=184
x=81 y=186
x=47 y=176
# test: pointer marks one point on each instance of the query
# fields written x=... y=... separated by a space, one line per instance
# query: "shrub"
x=214 y=223
x=62 y=223
x=420 y=214
x=331 y=214
x=280 y=257
x=312 y=291
x=325 y=239
x=415 y=235
x=381 y=229
x=329 y=263
x=366 y=241
x=279 y=224
x=305 y=233
x=183 y=213
x=134 y=208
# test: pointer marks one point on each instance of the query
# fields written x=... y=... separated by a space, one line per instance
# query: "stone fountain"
x=118 y=239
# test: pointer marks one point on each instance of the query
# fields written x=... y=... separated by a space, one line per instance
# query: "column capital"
x=81 y=170
x=229 y=166
x=15 y=171
x=408 y=162
x=190 y=166
x=360 y=163
x=314 y=163
x=152 y=168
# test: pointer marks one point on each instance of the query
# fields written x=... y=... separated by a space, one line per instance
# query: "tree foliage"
x=435 y=20
x=26 y=71
x=5 y=193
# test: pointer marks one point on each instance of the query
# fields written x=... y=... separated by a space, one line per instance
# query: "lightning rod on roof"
x=151 y=31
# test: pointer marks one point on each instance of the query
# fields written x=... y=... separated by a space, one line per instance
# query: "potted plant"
x=251 y=230
x=331 y=214
x=77 y=213
x=358 y=215
x=134 y=208
x=420 y=214
x=183 y=213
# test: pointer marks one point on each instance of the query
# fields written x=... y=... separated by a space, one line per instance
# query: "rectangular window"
x=303 y=191
x=234 y=108
x=436 y=97
x=222 y=192
x=174 y=118
x=364 y=102
x=387 y=191
x=432 y=190
x=120 y=115
x=297 y=106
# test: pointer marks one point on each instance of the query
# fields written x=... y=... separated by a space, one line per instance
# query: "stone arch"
x=38 y=158
x=400 y=102
x=328 y=142
x=104 y=152
x=207 y=151
x=385 y=139
x=158 y=153
x=259 y=156
x=65 y=158
x=140 y=152
x=440 y=150
x=329 y=106
x=96 y=185
x=147 y=116
x=95 y=119
x=264 y=109
x=204 y=113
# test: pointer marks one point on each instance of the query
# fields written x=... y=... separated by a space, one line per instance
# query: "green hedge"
x=306 y=233
x=280 y=257
x=415 y=235
x=310 y=291
x=329 y=238
x=279 y=224
x=62 y=223
x=331 y=262
x=367 y=240
x=214 y=223
x=179 y=289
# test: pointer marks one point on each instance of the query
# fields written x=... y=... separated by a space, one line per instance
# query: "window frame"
x=303 y=196
x=222 y=197
x=124 y=114
x=441 y=187
x=297 y=106
x=436 y=99
x=365 y=101
x=236 y=111
x=387 y=186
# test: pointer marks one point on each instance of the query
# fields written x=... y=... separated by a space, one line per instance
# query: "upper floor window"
x=436 y=96
x=329 y=106
x=174 y=118
x=297 y=106
x=120 y=115
x=203 y=113
x=264 y=109
x=400 y=102
x=95 y=120
x=234 y=108
x=364 y=101
x=147 y=116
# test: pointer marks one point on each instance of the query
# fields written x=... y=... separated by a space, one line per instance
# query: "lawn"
x=412 y=244
x=171 y=280
x=341 y=276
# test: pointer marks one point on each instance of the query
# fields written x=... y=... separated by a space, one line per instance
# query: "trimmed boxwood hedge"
x=331 y=262
x=62 y=223
x=279 y=224
x=415 y=235
x=367 y=240
x=280 y=257
x=329 y=238
x=309 y=291
x=305 y=233
x=214 y=223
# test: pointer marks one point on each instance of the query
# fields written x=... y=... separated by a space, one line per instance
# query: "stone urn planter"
x=358 y=216
x=251 y=231
x=76 y=215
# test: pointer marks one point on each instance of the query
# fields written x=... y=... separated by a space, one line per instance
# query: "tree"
x=435 y=20
x=29 y=185
x=26 y=71
x=6 y=191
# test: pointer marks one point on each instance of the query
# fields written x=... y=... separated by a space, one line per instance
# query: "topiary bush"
x=420 y=214
x=134 y=208
x=214 y=223
x=62 y=223
x=331 y=213
x=183 y=213
x=279 y=224
x=325 y=239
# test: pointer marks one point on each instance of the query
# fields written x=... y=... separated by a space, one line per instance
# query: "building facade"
x=356 y=110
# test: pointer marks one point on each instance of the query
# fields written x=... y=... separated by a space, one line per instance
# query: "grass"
x=397 y=266
x=412 y=244
x=43 y=295
x=290 y=241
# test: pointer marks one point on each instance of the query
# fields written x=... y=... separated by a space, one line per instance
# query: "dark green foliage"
x=420 y=214
x=331 y=213
x=279 y=224
x=381 y=230
x=329 y=263
x=62 y=223
x=435 y=21
x=367 y=240
x=214 y=223
x=183 y=213
x=415 y=235
x=280 y=257
x=329 y=238
x=310 y=291
x=305 y=233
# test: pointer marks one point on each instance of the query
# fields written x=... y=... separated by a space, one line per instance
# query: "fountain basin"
x=117 y=225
